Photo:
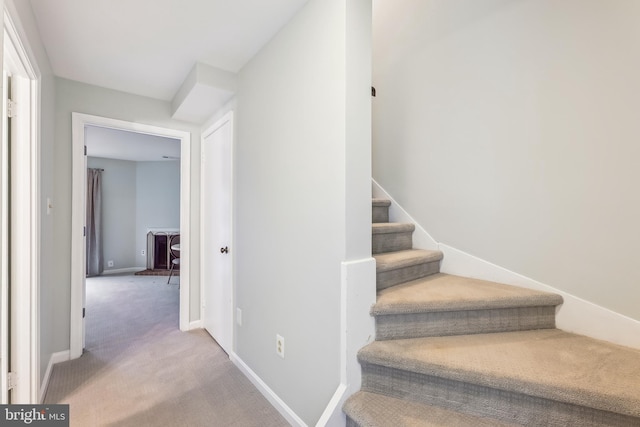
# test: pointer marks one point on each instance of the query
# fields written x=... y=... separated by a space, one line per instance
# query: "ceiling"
x=132 y=146
x=184 y=52
x=148 y=47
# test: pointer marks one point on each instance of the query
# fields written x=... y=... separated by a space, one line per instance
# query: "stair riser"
x=386 y=279
x=351 y=423
x=380 y=214
x=390 y=242
x=485 y=401
x=436 y=324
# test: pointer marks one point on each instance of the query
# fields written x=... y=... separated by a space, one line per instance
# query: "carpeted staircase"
x=454 y=351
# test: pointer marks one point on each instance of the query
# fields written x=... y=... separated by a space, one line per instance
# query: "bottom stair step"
x=545 y=377
x=375 y=410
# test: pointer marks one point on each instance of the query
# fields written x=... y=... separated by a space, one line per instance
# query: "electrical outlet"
x=280 y=346
x=110 y=263
x=143 y=252
x=239 y=317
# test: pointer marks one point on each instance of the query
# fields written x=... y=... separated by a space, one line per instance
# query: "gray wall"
x=118 y=211
x=157 y=201
x=509 y=130
x=294 y=222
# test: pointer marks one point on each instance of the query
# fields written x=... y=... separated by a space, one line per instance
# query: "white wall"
x=295 y=224
x=509 y=130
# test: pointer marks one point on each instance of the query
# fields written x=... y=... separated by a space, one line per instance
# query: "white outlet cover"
x=280 y=346
x=239 y=317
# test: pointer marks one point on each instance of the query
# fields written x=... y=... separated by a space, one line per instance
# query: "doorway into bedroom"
x=130 y=179
x=133 y=220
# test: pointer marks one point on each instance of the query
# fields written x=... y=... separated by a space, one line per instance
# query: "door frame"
x=227 y=117
x=78 y=208
x=25 y=207
x=4 y=251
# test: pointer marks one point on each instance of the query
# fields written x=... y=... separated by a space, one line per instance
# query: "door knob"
x=224 y=250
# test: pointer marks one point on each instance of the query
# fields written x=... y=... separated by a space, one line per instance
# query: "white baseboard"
x=269 y=394
x=196 y=324
x=357 y=328
x=333 y=415
x=61 y=356
x=122 y=270
x=574 y=315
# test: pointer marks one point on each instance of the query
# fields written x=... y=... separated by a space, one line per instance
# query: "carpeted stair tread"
x=391 y=236
x=380 y=210
x=548 y=363
x=376 y=410
x=400 y=259
x=392 y=227
x=381 y=202
x=444 y=292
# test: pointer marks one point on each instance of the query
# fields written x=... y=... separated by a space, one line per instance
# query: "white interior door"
x=216 y=250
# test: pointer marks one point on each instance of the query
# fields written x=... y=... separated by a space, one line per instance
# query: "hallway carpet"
x=138 y=369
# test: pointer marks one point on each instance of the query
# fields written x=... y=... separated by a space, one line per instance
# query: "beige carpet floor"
x=138 y=369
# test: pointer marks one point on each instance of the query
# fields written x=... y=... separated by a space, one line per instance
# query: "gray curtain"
x=95 y=265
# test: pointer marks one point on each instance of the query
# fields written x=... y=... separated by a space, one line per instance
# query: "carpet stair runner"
x=455 y=351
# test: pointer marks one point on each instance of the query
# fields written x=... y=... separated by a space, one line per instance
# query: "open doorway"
x=80 y=124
